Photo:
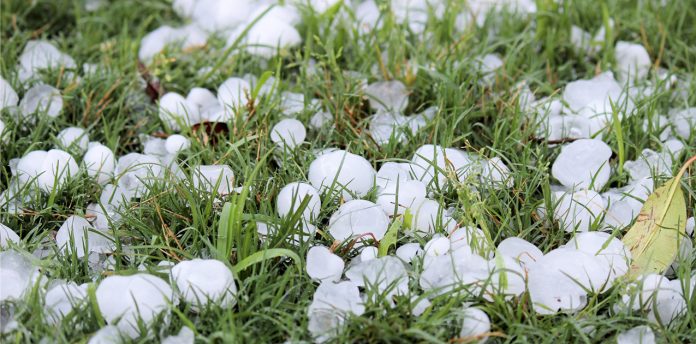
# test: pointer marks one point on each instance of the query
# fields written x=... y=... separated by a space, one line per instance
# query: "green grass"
x=173 y=223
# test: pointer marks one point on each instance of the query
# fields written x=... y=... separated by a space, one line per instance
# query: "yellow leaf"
x=654 y=238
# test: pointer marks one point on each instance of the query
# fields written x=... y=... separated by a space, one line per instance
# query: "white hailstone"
x=368 y=253
x=202 y=98
x=519 y=249
x=387 y=96
x=408 y=252
x=99 y=162
x=41 y=98
x=321 y=119
x=473 y=238
x=429 y=164
x=291 y=196
x=496 y=174
x=184 y=8
x=50 y=169
x=319 y=6
x=427 y=216
x=73 y=136
x=342 y=171
x=581 y=39
x=412 y=13
x=175 y=111
x=582 y=164
x=664 y=299
x=578 y=210
x=203 y=282
x=289 y=133
x=17 y=274
x=368 y=16
x=559 y=280
x=358 y=218
x=7 y=236
x=595 y=93
x=419 y=305
x=683 y=121
x=385 y=125
x=266 y=36
x=391 y=173
x=40 y=54
x=233 y=94
x=443 y=273
x=3 y=136
x=559 y=127
x=221 y=15
x=136 y=172
x=615 y=254
x=437 y=246
x=177 y=143
x=396 y=198
x=124 y=301
x=622 y=209
x=104 y=216
x=487 y=66
x=476 y=324
x=659 y=125
x=108 y=334
x=155 y=41
x=77 y=234
x=632 y=60
x=386 y=274
x=690 y=224
x=331 y=304
x=673 y=147
x=323 y=265
x=63 y=298
x=8 y=96
x=649 y=163
x=637 y=335
x=507 y=277
x=217 y=179
x=185 y=336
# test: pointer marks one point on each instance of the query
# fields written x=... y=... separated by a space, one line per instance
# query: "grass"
x=173 y=222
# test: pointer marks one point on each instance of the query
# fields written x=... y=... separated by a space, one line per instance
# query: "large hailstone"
x=205 y=281
x=395 y=199
x=323 y=265
x=427 y=216
x=358 y=218
x=342 y=171
x=606 y=247
x=185 y=336
x=386 y=274
x=561 y=278
x=233 y=94
x=331 y=304
x=63 y=298
x=632 y=61
x=291 y=197
x=519 y=249
x=266 y=36
x=578 y=210
x=175 y=110
x=583 y=163
x=217 y=179
x=289 y=133
x=508 y=277
x=124 y=300
x=7 y=236
x=77 y=234
x=17 y=274
x=476 y=323
x=73 y=137
x=683 y=121
x=391 y=173
x=387 y=96
x=50 y=169
x=637 y=335
x=100 y=163
x=39 y=55
x=41 y=98
x=8 y=96
x=137 y=171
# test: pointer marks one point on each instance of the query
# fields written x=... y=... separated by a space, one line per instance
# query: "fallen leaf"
x=654 y=238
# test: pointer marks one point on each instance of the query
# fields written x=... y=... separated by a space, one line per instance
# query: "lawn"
x=526 y=157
